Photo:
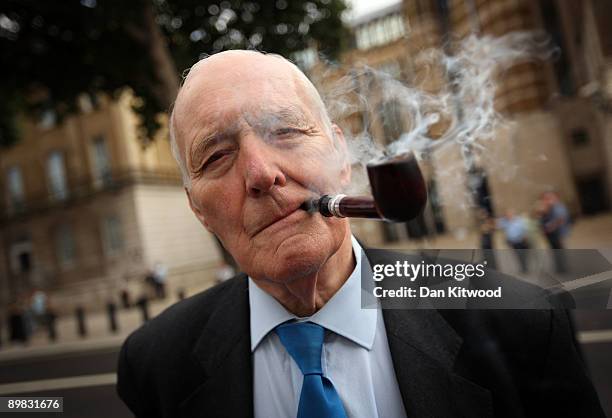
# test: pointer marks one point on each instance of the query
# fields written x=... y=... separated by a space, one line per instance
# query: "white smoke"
x=459 y=110
x=448 y=102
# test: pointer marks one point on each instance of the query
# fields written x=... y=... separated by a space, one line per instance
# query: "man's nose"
x=260 y=168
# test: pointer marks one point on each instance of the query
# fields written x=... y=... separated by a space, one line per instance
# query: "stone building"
x=86 y=209
x=560 y=109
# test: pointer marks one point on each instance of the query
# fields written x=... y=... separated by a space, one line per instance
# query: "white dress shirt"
x=355 y=355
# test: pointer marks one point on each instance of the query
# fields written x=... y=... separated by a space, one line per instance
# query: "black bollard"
x=51 y=328
x=111 y=309
x=126 y=303
x=80 y=317
x=143 y=304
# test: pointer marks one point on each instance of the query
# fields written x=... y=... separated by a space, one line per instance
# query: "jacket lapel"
x=424 y=349
x=224 y=354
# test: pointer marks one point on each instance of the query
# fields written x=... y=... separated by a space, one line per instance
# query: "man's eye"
x=287 y=132
x=214 y=158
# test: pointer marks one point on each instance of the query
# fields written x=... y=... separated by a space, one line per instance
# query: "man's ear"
x=342 y=147
x=195 y=208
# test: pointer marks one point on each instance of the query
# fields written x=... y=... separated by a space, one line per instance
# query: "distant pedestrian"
x=38 y=307
x=149 y=290
x=224 y=272
x=143 y=305
x=160 y=272
x=516 y=230
x=17 y=324
x=555 y=220
x=555 y=224
x=51 y=322
x=124 y=294
x=487 y=230
x=126 y=300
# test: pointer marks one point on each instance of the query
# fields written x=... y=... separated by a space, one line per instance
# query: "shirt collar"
x=341 y=314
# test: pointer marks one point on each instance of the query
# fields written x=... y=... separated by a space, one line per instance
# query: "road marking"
x=596 y=336
x=70 y=347
x=587 y=281
x=60 y=383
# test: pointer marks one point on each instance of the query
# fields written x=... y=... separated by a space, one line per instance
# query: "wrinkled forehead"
x=220 y=91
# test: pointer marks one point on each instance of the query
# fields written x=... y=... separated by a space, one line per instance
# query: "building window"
x=56 y=174
x=101 y=162
x=65 y=246
x=561 y=65
x=48 y=119
x=380 y=31
x=580 y=137
x=15 y=189
x=112 y=234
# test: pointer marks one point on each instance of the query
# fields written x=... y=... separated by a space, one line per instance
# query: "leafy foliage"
x=55 y=50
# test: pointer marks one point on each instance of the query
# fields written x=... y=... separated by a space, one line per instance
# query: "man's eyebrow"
x=200 y=145
x=293 y=116
x=290 y=115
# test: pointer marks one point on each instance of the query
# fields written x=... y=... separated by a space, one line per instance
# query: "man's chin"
x=293 y=264
x=292 y=261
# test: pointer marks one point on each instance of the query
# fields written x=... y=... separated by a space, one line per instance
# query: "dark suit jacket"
x=194 y=360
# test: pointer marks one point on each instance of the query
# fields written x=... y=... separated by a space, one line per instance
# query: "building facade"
x=558 y=109
x=87 y=209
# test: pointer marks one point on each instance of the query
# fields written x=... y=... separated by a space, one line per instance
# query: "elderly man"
x=288 y=337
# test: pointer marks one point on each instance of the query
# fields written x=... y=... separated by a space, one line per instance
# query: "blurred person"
x=224 y=272
x=159 y=275
x=555 y=219
x=143 y=304
x=18 y=329
x=124 y=294
x=287 y=337
x=51 y=321
x=38 y=306
x=149 y=281
x=555 y=224
x=486 y=224
x=516 y=231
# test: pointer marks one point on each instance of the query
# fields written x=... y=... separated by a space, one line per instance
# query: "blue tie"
x=304 y=342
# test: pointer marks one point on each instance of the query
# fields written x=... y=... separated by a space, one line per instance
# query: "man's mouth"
x=285 y=214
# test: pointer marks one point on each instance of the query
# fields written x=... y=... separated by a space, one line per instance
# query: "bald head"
x=250 y=76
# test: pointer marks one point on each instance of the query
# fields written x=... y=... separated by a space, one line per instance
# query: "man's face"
x=256 y=149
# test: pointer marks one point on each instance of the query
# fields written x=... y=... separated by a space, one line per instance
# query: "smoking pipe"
x=398 y=190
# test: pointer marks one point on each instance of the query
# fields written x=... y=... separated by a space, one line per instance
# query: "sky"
x=361 y=7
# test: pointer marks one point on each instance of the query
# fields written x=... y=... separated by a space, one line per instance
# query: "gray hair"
x=176 y=153
x=313 y=93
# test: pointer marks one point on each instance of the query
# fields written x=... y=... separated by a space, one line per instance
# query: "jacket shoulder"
x=156 y=365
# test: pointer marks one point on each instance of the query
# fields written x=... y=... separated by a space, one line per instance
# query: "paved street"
x=85 y=379
x=595 y=333
x=598 y=357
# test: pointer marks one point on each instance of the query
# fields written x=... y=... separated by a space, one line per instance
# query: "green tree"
x=55 y=50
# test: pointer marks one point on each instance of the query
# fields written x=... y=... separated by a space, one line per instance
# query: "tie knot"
x=304 y=342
